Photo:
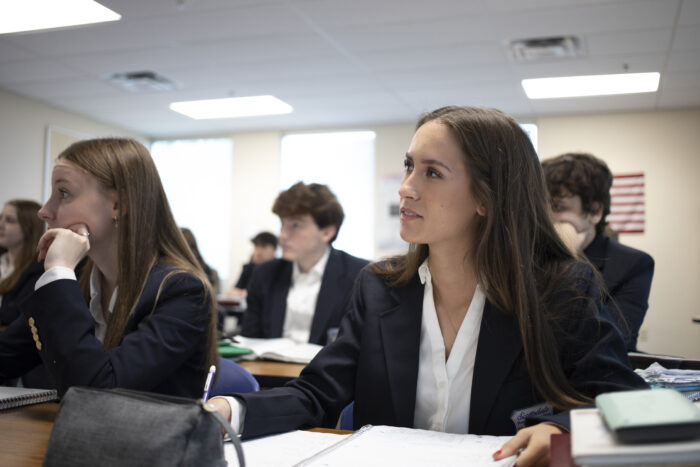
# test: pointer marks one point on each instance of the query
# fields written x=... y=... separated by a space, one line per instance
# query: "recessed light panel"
x=232 y=107
x=33 y=15
x=592 y=85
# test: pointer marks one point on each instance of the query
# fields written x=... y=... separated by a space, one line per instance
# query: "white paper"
x=406 y=447
x=281 y=450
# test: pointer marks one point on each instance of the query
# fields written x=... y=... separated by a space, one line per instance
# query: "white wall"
x=23 y=124
x=663 y=145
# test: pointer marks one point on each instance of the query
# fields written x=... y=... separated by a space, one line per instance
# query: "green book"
x=228 y=350
x=649 y=415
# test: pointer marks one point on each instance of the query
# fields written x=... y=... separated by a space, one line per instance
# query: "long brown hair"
x=32 y=228
x=147 y=229
x=518 y=252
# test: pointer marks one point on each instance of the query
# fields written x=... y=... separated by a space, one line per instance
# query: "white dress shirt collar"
x=301 y=300
x=5 y=267
x=96 y=303
x=443 y=392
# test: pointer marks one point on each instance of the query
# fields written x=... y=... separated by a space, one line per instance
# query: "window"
x=196 y=175
x=345 y=162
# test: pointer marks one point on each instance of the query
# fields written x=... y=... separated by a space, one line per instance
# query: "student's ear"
x=119 y=207
x=596 y=213
x=328 y=232
x=481 y=209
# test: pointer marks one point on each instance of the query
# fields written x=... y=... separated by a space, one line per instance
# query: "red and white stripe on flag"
x=627 y=203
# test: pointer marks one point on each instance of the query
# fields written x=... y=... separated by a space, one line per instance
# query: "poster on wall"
x=389 y=241
x=627 y=212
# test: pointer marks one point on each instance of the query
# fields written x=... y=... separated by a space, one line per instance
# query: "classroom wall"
x=663 y=145
x=23 y=124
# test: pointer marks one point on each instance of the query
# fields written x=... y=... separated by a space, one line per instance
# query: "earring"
x=115 y=221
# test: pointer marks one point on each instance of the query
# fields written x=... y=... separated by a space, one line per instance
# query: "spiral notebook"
x=11 y=397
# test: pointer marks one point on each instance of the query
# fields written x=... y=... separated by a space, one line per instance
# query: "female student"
x=20 y=230
x=486 y=322
x=142 y=316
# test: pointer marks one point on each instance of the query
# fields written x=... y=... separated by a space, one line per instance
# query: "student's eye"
x=62 y=193
x=408 y=165
x=432 y=173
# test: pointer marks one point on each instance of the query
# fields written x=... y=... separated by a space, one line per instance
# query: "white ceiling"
x=350 y=62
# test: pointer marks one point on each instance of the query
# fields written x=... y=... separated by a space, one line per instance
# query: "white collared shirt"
x=301 y=300
x=5 y=268
x=60 y=272
x=443 y=392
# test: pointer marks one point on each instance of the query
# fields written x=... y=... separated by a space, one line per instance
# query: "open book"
x=281 y=349
x=373 y=446
x=593 y=443
x=11 y=397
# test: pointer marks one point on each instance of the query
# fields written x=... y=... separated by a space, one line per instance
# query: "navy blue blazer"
x=11 y=301
x=246 y=274
x=269 y=286
x=627 y=274
x=163 y=350
x=374 y=361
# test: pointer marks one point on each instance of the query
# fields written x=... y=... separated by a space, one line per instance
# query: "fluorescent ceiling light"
x=593 y=85
x=232 y=107
x=31 y=15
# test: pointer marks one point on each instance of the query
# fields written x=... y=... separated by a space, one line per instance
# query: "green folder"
x=228 y=350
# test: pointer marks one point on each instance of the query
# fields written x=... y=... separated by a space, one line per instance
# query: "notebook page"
x=385 y=445
x=281 y=450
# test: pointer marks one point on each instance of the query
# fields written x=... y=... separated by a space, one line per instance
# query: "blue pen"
x=207 y=384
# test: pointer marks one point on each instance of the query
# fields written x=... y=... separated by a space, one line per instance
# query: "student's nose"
x=45 y=213
x=407 y=188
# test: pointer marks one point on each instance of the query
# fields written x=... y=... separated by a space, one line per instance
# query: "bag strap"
x=231 y=432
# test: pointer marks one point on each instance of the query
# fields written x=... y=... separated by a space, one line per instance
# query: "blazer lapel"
x=278 y=299
x=328 y=295
x=498 y=347
x=400 y=333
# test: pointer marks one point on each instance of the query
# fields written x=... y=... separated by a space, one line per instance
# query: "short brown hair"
x=582 y=175
x=314 y=199
x=265 y=239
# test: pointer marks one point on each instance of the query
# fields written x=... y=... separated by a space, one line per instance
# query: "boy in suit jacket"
x=579 y=186
x=304 y=294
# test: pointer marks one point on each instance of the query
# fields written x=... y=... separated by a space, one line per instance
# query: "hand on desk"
x=535 y=444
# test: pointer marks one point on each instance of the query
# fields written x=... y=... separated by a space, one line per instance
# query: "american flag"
x=627 y=203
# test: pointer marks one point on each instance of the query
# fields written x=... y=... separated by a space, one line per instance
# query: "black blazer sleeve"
x=631 y=295
x=245 y=276
x=163 y=349
x=11 y=302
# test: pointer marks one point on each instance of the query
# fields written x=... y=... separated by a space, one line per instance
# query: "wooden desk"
x=26 y=431
x=272 y=374
x=25 y=434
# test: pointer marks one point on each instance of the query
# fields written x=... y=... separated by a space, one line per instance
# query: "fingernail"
x=497 y=453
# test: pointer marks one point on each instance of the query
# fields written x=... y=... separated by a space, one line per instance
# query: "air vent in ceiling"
x=545 y=48
x=141 y=81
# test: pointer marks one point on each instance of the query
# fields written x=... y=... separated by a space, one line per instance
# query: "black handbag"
x=120 y=427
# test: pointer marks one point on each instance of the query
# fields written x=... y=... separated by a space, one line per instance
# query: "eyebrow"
x=431 y=162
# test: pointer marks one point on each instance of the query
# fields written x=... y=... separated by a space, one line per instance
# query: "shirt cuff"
x=54 y=274
x=238 y=410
